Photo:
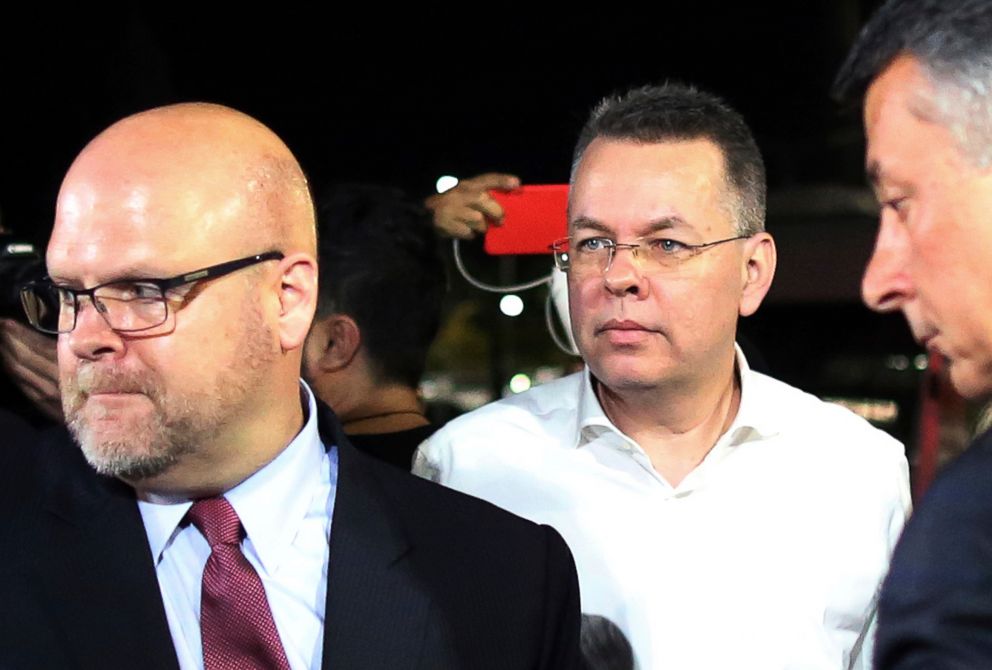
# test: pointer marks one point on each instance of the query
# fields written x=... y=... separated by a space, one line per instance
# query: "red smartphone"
x=534 y=217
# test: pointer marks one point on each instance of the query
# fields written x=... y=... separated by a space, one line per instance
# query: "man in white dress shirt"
x=721 y=518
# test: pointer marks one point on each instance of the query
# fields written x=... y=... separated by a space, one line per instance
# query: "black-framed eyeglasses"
x=127 y=305
x=595 y=253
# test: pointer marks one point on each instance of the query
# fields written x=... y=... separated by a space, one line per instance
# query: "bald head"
x=210 y=393
x=209 y=176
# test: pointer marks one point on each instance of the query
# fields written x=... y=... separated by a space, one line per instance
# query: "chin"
x=628 y=377
x=120 y=459
x=971 y=381
x=127 y=450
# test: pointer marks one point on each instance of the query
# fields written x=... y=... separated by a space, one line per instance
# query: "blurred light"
x=898 y=362
x=470 y=399
x=511 y=305
x=920 y=362
x=548 y=373
x=429 y=389
x=519 y=383
x=877 y=411
x=446 y=183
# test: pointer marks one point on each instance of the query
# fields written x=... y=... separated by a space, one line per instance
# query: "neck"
x=387 y=409
x=675 y=427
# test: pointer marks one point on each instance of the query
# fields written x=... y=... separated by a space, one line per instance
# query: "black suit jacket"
x=935 y=611
x=418 y=576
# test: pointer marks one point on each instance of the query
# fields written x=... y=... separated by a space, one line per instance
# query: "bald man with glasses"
x=721 y=518
x=215 y=515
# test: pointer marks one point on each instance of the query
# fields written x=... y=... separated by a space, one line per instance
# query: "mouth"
x=626 y=332
x=621 y=326
x=109 y=400
x=114 y=394
x=929 y=343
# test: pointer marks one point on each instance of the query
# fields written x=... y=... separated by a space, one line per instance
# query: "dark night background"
x=403 y=96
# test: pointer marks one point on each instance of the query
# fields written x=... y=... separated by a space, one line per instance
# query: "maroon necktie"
x=235 y=620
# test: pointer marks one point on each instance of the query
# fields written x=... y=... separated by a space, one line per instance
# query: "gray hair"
x=952 y=41
x=673 y=113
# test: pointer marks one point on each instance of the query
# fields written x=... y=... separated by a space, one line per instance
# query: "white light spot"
x=511 y=305
x=446 y=183
x=920 y=362
x=519 y=383
x=897 y=362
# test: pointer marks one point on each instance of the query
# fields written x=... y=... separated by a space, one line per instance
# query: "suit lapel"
x=99 y=570
x=376 y=613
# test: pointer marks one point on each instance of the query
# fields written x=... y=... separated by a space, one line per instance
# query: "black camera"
x=19 y=264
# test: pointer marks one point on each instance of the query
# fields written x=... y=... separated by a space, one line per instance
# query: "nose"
x=886 y=285
x=93 y=338
x=625 y=274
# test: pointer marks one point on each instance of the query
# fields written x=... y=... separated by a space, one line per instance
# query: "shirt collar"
x=291 y=477
x=591 y=419
x=755 y=419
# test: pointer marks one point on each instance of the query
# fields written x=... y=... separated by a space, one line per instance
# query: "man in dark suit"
x=192 y=530
x=925 y=68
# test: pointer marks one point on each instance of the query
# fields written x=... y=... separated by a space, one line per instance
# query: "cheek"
x=67 y=361
x=582 y=297
x=65 y=357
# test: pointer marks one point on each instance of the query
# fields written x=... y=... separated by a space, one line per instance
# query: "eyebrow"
x=128 y=274
x=585 y=223
x=664 y=223
x=873 y=173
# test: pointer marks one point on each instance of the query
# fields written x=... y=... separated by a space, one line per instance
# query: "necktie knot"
x=217 y=520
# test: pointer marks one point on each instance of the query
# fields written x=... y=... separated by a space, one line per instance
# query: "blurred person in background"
x=382 y=283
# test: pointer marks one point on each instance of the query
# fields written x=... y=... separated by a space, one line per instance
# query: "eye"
x=127 y=291
x=667 y=246
x=897 y=205
x=592 y=244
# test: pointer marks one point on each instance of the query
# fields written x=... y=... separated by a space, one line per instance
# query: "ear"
x=335 y=341
x=757 y=271
x=297 y=291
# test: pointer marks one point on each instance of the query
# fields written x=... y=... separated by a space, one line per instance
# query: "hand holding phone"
x=469 y=208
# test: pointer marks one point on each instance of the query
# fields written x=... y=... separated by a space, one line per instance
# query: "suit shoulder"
x=942 y=566
x=424 y=502
x=961 y=495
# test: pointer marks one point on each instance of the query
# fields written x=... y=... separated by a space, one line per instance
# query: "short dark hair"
x=379 y=264
x=675 y=112
x=951 y=41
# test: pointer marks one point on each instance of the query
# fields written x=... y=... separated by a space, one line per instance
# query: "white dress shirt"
x=768 y=555
x=286 y=509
